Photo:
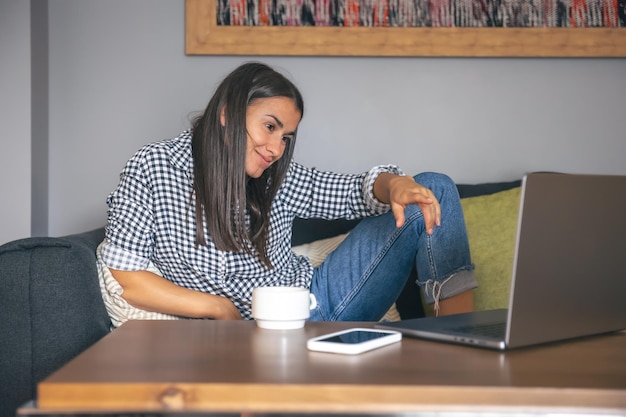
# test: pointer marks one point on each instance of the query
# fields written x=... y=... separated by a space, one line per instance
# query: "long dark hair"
x=223 y=190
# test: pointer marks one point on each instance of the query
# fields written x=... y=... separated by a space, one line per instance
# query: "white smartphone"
x=353 y=341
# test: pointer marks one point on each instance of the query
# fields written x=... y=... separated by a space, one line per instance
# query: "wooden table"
x=224 y=367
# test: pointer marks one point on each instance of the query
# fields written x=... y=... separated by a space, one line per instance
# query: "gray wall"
x=15 y=110
x=118 y=78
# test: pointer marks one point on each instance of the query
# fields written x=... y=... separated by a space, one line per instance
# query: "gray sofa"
x=51 y=308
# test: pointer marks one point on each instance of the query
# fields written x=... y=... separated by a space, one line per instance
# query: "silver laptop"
x=569 y=269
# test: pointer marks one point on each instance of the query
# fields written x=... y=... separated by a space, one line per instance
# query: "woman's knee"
x=438 y=183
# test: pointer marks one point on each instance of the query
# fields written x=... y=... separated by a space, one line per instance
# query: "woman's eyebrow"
x=276 y=119
x=279 y=123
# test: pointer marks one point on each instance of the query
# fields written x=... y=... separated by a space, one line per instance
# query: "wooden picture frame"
x=204 y=37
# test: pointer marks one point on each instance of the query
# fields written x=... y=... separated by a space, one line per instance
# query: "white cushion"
x=318 y=250
x=119 y=310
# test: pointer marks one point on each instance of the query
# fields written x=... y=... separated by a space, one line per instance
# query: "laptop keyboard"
x=496 y=330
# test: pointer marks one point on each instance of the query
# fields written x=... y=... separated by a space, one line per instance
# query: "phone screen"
x=355 y=336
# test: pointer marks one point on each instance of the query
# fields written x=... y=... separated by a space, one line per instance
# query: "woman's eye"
x=270 y=127
x=287 y=138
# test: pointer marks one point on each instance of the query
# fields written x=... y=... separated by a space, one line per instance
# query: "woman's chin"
x=255 y=174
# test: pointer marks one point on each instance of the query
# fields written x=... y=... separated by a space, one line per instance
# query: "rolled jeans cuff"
x=457 y=283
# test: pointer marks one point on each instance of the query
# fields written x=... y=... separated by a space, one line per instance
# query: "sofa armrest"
x=51 y=310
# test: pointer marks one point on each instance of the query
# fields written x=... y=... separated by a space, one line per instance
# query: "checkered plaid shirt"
x=151 y=219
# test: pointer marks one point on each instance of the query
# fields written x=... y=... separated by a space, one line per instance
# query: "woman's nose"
x=275 y=146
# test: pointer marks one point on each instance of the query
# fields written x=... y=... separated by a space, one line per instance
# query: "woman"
x=213 y=209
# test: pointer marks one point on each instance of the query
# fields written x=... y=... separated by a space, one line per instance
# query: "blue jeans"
x=363 y=277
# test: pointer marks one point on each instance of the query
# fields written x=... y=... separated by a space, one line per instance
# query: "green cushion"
x=491 y=228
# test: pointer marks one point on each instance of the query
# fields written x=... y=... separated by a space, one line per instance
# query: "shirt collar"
x=180 y=152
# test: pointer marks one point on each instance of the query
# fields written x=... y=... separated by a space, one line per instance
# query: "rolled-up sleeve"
x=373 y=204
x=312 y=193
x=129 y=231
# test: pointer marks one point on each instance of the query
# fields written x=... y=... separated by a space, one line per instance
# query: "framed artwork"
x=430 y=28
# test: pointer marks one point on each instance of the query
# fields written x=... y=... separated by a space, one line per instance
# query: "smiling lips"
x=266 y=160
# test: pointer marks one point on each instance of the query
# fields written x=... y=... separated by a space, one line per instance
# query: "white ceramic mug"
x=282 y=307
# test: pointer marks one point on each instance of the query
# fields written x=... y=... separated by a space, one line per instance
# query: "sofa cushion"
x=318 y=250
x=119 y=310
x=491 y=222
x=474 y=190
x=310 y=230
x=50 y=311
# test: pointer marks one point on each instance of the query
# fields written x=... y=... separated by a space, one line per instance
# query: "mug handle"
x=313 y=301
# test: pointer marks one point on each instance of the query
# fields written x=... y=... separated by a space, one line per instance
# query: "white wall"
x=119 y=78
x=15 y=120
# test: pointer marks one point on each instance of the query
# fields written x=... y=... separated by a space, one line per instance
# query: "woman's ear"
x=223 y=116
